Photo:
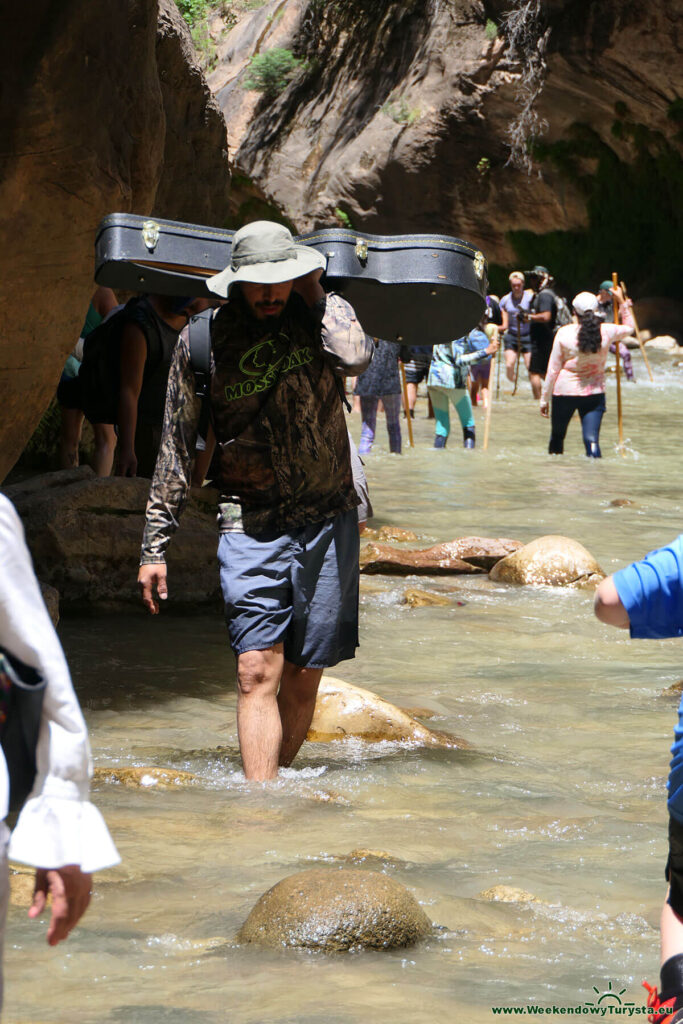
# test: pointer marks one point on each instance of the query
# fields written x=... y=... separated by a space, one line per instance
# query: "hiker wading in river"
x=288 y=550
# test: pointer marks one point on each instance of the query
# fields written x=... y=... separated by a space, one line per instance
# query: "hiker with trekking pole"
x=515 y=329
x=576 y=375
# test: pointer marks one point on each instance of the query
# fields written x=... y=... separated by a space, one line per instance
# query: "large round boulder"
x=343 y=711
x=550 y=561
x=334 y=911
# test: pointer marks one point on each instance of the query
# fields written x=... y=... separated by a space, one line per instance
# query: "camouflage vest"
x=278 y=419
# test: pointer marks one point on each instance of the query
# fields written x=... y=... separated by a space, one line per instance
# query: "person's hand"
x=151 y=576
x=127 y=464
x=543 y=407
x=618 y=294
x=309 y=287
x=70 y=889
x=492 y=347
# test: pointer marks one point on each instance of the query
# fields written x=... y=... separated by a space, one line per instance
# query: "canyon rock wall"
x=399 y=120
x=103 y=108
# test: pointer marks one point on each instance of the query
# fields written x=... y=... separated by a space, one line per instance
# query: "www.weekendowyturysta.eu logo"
x=608 y=1003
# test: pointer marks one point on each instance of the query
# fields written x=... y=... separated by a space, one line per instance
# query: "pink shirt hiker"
x=572 y=372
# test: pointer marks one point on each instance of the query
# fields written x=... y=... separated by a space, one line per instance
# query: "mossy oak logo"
x=264 y=363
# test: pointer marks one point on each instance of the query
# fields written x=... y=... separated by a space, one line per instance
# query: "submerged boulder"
x=508 y=894
x=334 y=911
x=145 y=778
x=416 y=598
x=343 y=711
x=551 y=561
x=465 y=555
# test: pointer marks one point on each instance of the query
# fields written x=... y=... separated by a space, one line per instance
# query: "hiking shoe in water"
x=670 y=1010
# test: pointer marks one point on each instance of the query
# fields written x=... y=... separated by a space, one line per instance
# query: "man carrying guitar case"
x=288 y=550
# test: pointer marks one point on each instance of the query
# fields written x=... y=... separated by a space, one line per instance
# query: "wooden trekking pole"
x=615 y=310
x=404 y=388
x=519 y=352
x=637 y=330
x=487 y=419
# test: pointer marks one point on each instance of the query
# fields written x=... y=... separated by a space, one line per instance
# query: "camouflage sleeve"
x=171 y=480
x=347 y=345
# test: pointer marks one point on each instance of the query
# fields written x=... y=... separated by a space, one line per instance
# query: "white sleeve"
x=58 y=825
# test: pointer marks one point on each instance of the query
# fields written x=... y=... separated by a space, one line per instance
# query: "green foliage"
x=205 y=47
x=491 y=29
x=634 y=212
x=194 y=11
x=272 y=71
x=400 y=112
x=343 y=218
x=484 y=165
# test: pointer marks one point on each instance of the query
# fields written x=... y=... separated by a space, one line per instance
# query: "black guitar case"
x=420 y=289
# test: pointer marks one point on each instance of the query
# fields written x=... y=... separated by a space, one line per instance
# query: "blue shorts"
x=298 y=588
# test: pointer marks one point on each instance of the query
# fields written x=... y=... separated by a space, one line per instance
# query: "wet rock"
x=360 y=856
x=424 y=598
x=664 y=343
x=145 y=778
x=396 y=533
x=419 y=712
x=469 y=555
x=622 y=503
x=553 y=561
x=508 y=894
x=334 y=911
x=84 y=533
x=343 y=711
x=675 y=690
x=51 y=599
x=21 y=886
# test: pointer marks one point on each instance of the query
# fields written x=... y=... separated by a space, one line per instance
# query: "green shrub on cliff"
x=272 y=71
x=400 y=112
x=193 y=11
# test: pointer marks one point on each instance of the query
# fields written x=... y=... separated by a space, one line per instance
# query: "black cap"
x=538 y=272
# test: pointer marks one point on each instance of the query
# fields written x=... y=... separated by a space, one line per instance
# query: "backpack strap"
x=199 y=342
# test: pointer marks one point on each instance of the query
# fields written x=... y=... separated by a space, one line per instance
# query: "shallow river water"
x=562 y=793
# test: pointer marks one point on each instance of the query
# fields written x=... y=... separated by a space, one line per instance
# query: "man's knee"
x=258 y=672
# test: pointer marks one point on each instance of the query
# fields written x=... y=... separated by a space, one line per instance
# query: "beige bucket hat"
x=264 y=252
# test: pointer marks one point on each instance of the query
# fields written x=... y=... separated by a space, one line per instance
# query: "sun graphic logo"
x=608 y=998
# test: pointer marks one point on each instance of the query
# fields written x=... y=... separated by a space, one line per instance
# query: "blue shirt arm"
x=651 y=591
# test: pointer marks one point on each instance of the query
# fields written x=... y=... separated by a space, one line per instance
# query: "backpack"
x=563 y=314
x=96 y=388
x=199 y=344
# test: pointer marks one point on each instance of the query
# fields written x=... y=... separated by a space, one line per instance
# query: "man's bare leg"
x=296 y=701
x=259 y=728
